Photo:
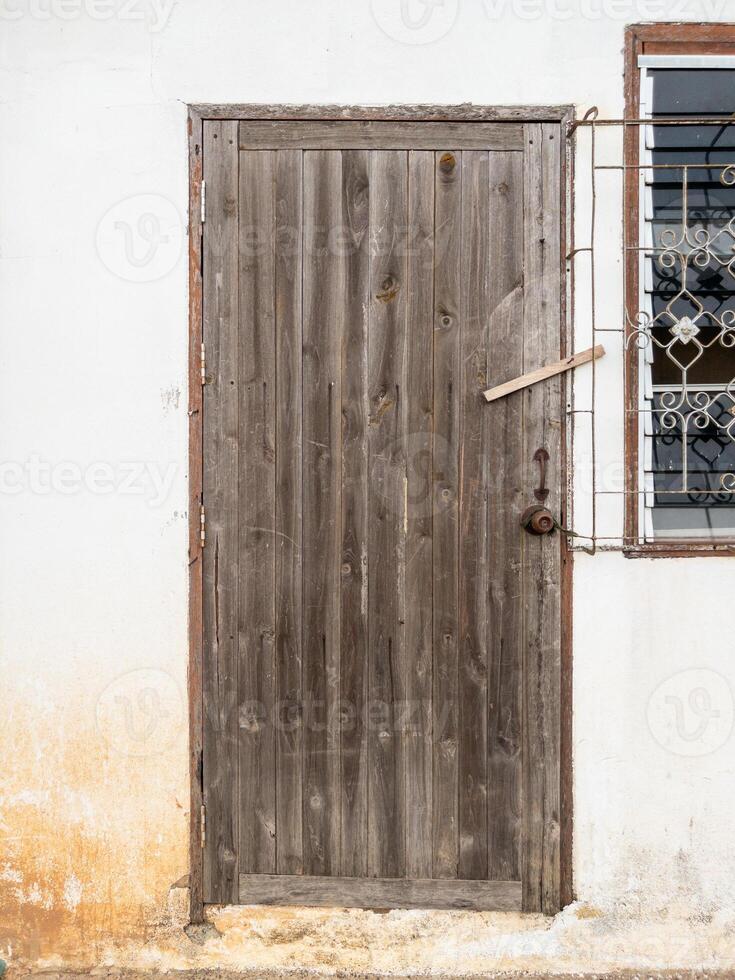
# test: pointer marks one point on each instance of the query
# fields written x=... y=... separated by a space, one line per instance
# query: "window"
x=681 y=304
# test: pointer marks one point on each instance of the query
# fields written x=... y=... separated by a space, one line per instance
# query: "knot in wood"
x=447 y=163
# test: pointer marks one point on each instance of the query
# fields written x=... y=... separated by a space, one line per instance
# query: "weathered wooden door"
x=381 y=640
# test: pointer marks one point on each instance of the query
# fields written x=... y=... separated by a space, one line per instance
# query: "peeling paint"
x=73 y=891
x=170 y=398
x=273 y=941
x=93 y=840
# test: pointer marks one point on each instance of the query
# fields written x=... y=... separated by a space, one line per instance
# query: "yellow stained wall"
x=93 y=816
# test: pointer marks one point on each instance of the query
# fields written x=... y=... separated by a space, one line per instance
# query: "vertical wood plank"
x=447 y=325
x=508 y=497
x=288 y=571
x=566 y=757
x=419 y=409
x=220 y=556
x=473 y=519
x=355 y=243
x=387 y=502
x=256 y=612
x=541 y=556
x=196 y=459
x=323 y=290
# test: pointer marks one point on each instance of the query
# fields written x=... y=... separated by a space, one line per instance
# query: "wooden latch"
x=541 y=374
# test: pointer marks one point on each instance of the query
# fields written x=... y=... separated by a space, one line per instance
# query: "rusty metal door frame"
x=562 y=116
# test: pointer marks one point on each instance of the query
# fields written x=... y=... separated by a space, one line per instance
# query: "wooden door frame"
x=197 y=115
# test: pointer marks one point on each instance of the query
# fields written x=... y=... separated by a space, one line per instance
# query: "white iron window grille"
x=685 y=327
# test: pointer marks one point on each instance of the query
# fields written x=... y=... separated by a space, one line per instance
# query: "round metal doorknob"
x=537 y=520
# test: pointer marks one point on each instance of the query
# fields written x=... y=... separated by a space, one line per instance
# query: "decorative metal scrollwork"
x=682 y=332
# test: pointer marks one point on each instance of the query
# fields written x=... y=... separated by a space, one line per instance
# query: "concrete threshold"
x=246 y=974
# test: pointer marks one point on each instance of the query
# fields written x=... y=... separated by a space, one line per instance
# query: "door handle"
x=538 y=519
x=541 y=456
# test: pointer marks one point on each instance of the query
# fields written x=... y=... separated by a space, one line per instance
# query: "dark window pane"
x=690 y=292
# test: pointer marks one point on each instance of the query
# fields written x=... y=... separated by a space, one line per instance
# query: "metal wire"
x=684 y=410
x=659 y=121
x=658 y=166
x=591 y=118
x=593 y=323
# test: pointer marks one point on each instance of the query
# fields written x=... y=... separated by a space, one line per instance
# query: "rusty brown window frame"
x=662 y=39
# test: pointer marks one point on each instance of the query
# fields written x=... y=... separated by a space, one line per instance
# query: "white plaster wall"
x=93 y=563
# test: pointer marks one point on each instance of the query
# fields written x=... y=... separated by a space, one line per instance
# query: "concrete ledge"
x=245 y=974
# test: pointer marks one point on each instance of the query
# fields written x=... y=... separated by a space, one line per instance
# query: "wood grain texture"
x=387 y=514
x=679 y=33
x=360 y=135
x=542 y=373
x=566 y=740
x=419 y=504
x=399 y=719
x=508 y=497
x=380 y=893
x=474 y=539
x=355 y=203
x=220 y=493
x=323 y=291
x=447 y=330
x=196 y=634
x=288 y=565
x=542 y=423
x=257 y=513
x=696 y=43
x=464 y=112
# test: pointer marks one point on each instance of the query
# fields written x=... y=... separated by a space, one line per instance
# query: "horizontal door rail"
x=369 y=135
x=366 y=893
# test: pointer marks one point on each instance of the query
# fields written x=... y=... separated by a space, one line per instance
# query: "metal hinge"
x=202 y=526
x=203 y=364
x=203 y=817
x=204 y=202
